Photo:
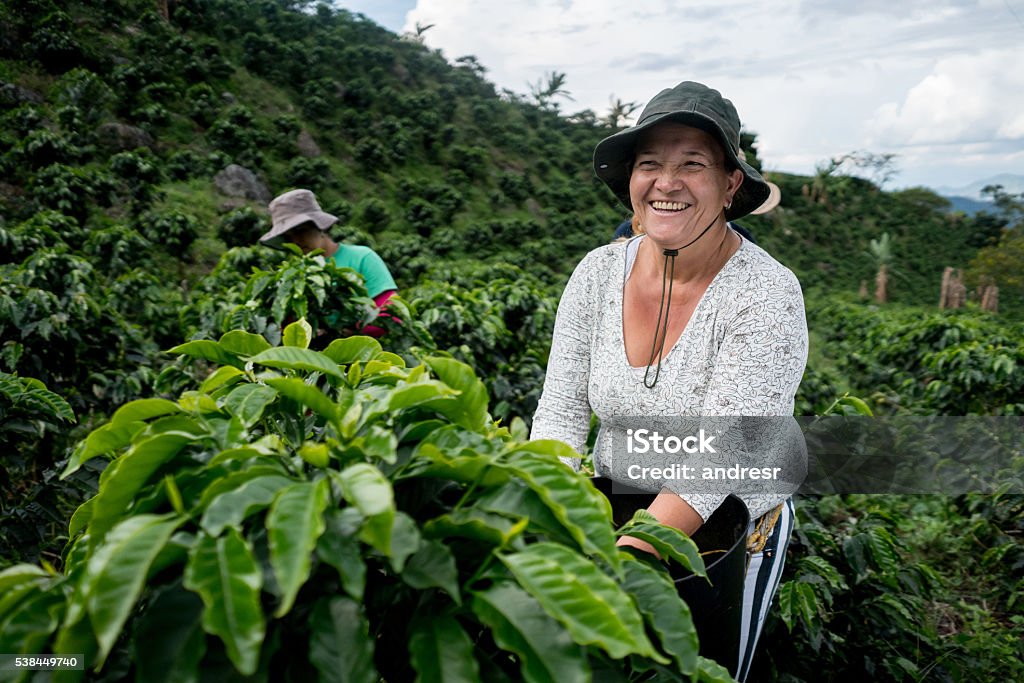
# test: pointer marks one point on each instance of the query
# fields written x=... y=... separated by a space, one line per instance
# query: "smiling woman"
x=685 y=320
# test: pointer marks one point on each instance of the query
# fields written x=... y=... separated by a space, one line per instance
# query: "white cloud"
x=965 y=98
x=815 y=79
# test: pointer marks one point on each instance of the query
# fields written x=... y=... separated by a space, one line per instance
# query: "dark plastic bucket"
x=717 y=607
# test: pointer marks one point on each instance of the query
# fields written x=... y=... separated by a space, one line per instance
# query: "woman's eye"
x=647 y=165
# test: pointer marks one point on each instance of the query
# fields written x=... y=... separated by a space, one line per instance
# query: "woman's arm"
x=563 y=411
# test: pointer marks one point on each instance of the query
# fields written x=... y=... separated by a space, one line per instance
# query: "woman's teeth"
x=669 y=206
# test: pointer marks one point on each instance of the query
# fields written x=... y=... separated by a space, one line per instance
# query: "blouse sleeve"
x=757 y=371
x=563 y=411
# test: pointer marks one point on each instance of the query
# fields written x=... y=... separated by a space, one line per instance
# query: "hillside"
x=119 y=117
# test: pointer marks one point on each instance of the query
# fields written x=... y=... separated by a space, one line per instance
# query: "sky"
x=939 y=83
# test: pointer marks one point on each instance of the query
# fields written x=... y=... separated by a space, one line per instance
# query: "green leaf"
x=352 y=349
x=671 y=543
x=470 y=406
x=339 y=548
x=583 y=510
x=797 y=600
x=294 y=523
x=220 y=377
x=365 y=487
x=442 y=652
x=582 y=598
x=143 y=409
x=307 y=395
x=298 y=334
x=242 y=343
x=405 y=540
x=208 y=350
x=340 y=646
x=482 y=470
x=520 y=625
x=19 y=574
x=230 y=508
x=292 y=358
x=105 y=439
x=668 y=616
x=433 y=566
x=710 y=671
x=26 y=628
x=517 y=501
x=248 y=401
x=420 y=393
x=127 y=475
x=478 y=525
x=227 y=577
x=117 y=570
x=169 y=641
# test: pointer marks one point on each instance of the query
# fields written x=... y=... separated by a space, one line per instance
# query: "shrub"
x=242 y=227
x=314 y=174
x=172 y=231
x=340 y=510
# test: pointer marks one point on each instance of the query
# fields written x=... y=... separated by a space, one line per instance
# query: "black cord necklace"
x=667 y=276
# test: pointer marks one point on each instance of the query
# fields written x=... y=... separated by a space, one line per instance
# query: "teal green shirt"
x=367 y=263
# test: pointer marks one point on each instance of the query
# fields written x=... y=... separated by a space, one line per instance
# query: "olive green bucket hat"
x=693 y=104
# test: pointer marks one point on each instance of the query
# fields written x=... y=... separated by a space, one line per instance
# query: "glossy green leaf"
x=470 y=406
x=143 y=409
x=298 y=334
x=420 y=393
x=365 y=487
x=198 y=402
x=208 y=350
x=127 y=475
x=518 y=623
x=222 y=376
x=105 y=439
x=710 y=671
x=478 y=525
x=339 y=548
x=352 y=349
x=442 y=652
x=797 y=601
x=433 y=566
x=294 y=523
x=248 y=401
x=242 y=343
x=225 y=574
x=585 y=600
x=117 y=569
x=292 y=358
x=169 y=641
x=516 y=500
x=27 y=626
x=470 y=468
x=405 y=540
x=233 y=506
x=340 y=646
x=307 y=395
x=19 y=574
x=665 y=612
x=582 y=510
x=671 y=543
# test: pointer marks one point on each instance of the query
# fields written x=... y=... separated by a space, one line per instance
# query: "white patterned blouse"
x=742 y=353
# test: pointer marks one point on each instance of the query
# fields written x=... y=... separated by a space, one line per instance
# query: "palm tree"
x=544 y=93
x=620 y=111
x=881 y=250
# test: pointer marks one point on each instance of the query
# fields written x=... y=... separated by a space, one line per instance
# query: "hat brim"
x=614 y=154
x=321 y=219
x=774 y=197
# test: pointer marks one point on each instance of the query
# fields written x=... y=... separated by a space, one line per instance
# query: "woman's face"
x=307 y=236
x=678 y=184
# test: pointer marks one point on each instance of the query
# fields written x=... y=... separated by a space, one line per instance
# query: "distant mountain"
x=1011 y=182
x=968 y=205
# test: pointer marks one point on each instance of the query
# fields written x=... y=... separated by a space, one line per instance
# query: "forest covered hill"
x=140 y=142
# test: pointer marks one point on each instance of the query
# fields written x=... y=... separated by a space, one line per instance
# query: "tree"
x=618 y=114
x=881 y=250
x=544 y=93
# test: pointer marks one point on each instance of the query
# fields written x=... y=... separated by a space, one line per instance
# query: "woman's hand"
x=630 y=542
